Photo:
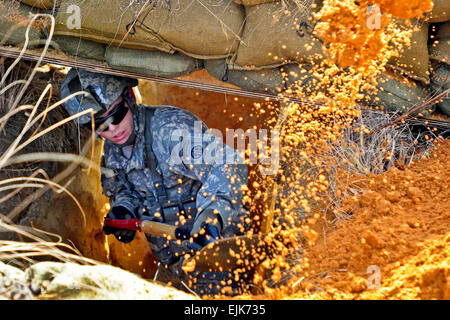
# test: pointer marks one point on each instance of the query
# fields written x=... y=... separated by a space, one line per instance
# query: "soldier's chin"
x=128 y=141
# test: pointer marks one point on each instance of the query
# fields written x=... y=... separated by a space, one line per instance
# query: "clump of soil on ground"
x=395 y=244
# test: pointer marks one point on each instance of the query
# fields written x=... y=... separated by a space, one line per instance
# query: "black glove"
x=207 y=229
x=153 y=213
x=122 y=235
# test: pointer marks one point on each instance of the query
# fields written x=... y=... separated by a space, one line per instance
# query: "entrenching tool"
x=222 y=255
x=149 y=227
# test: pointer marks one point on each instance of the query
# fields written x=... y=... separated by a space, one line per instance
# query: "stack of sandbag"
x=257 y=45
x=264 y=81
x=75 y=46
x=274 y=35
x=205 y=30
x=421 y=71
x=404 y=85
x=153 y=38
x=14 y=20
x=279 y=38
x=397 y=93
x=413 y=60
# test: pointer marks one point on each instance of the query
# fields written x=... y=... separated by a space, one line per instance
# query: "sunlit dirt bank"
x=394 y=245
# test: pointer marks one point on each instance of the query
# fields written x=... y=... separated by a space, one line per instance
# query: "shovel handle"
x=148 y=227
x=158 y=229
x=128 y=224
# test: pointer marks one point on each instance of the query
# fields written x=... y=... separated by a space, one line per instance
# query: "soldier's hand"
x=122 y=235
x=207 y=228
x=151 y=214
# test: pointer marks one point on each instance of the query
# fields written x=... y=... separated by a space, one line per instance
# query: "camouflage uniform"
x=192 y=186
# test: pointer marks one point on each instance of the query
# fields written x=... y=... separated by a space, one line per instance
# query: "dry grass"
x=39 y=243
x=13 y=91
x=366 y=149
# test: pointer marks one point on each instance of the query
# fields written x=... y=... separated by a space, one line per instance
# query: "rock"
x=55 y=280
x=13 y=285
x=11 y=272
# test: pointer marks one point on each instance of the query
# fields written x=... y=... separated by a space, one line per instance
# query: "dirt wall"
x=398 y=232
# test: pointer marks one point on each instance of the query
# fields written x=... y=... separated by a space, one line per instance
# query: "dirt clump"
x=395 y=243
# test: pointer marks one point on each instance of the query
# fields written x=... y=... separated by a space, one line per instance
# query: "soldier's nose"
x=112 y=127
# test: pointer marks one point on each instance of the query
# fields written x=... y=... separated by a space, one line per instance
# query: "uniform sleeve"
x=116 y=188
x=190 y=150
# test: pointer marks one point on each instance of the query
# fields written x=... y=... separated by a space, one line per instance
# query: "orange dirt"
x=401 y=226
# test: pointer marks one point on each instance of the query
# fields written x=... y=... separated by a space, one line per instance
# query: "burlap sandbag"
x=440 y=11
x=443 y=30
x=440 y=48
x=200 y=29
x=81 y=47
x=43 y=4
x=265 y=81
x=252 y=2
x=398 y=94
x=14 y=20
x=413 y=60
x=152 y=63
x=273 y=36
x=440 y=51
x=298 y=78
x=440 y=81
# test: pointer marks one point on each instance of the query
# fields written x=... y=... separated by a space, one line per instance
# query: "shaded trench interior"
x=59 y=214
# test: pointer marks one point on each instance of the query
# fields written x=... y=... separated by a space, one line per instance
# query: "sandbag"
x=441 y=51
x=81 y=48
x=440 y=48
x=265 y=81
x=398 y=94
x=200 y=29
x=443 y=30
x=43 y=4
x=252 y=2
x=413 y=60
x=440 y=81
x=440 y=11
x=299 y=78
x=274 y=36
x=152 y=63
x=14 y=20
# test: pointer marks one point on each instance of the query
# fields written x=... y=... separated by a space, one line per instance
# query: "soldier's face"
x=118 y=133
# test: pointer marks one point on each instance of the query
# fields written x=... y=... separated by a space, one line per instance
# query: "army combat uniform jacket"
x=179 y=143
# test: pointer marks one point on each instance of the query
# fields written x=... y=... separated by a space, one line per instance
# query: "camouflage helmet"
x=103 y=91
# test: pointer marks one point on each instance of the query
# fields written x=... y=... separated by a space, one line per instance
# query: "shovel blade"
x=229 y=254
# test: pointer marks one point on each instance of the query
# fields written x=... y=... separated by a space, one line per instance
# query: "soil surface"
x=395 y=244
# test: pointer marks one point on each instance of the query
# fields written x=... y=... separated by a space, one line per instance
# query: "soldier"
x=160 y=175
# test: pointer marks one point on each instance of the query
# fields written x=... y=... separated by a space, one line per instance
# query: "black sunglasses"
x=114 y=117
